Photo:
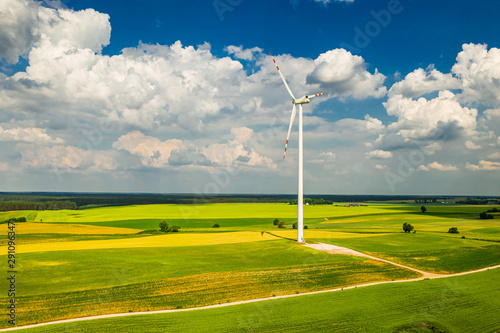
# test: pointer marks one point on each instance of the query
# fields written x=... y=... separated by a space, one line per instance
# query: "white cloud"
x=378 y=154
x=483 y=165
x=152 y=151
x=244 y=54
x=420 y=82
x=442 y=117
x=61 y=158
x=479 y=71
x=26 y=24
x=323 y=157
x=237 y=151
x=35 y=135
x=422 y=168
x=441 y=167
x=471 y=145
x=341 y=74
x=18 y=28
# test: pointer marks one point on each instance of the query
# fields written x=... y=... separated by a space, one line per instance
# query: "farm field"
x=459 y=304
x=76 y=263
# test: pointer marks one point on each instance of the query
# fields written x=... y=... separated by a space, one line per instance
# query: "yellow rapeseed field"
x=74 y=229
x=168 y=240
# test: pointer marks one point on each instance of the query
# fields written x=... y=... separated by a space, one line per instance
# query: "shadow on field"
x=270 y=233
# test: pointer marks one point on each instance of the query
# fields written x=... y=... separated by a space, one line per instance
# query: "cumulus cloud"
x=61 y=158
x=471 y=145
x=35 y=135
x=378 y=154
x=342 y=74
x=26 y=24
x=441 y=167
x=237 y=151
x=323 y=157
x=479 y=70
x=241 y=53
x=441 y=118
x=152 y=151
x=420 y=82
x=483 y=165
x=19 y=28
x=422 y=168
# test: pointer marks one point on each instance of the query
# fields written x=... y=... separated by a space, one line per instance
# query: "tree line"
x=319 y=201
x=36 y=205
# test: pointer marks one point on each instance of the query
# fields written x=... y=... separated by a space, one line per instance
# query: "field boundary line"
x=214 y=306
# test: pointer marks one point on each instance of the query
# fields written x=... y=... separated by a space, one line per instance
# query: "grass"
x=459 y=304
x=83 y=270
x=429 y=252
x=205 y=289
x=96 y=261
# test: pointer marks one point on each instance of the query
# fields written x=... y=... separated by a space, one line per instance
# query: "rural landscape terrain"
x=74 y=263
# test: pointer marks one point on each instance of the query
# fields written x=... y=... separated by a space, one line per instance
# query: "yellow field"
x=170 y=240
x=75 y=229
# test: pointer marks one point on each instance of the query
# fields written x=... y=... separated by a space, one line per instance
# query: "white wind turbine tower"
x=300 y=198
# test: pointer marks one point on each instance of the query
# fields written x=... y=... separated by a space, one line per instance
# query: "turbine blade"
x=316 y=95
x=282 y=77
x=292 y=118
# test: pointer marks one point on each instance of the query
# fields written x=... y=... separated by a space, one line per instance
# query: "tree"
x=294 y=226
x=423 y=209
x=216 y=225
x=407 y=227
x=486 y=216
x=276 y=222
x=281 y=224
x=453 y=230
x=174 y=228
x=164 y=226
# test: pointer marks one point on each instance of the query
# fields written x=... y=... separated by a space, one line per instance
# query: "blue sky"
x=182 y=96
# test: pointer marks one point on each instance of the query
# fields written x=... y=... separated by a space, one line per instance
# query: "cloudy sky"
x=178 y=96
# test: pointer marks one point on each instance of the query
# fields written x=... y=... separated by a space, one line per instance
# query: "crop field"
x=459 y=304
x=76 y=263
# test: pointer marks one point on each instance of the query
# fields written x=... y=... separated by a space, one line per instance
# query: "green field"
x=460 y=304
x=75 y=263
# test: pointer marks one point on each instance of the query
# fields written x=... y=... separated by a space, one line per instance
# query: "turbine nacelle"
x=305 y=99
x=302 y=100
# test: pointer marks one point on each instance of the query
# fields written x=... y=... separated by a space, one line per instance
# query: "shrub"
x=407 y=227
x=294 y=226
x=216 y=225
x=486 y=216
x=276 y=222
x=453 y=230
x=21 y=219
x=306 y=227
x=281 y=224
x=174 y=228
x=163 y=226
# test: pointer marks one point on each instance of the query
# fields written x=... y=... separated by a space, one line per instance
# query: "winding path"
x=328 y=248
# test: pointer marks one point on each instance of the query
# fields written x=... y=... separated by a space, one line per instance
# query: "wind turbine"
x=300 y=197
